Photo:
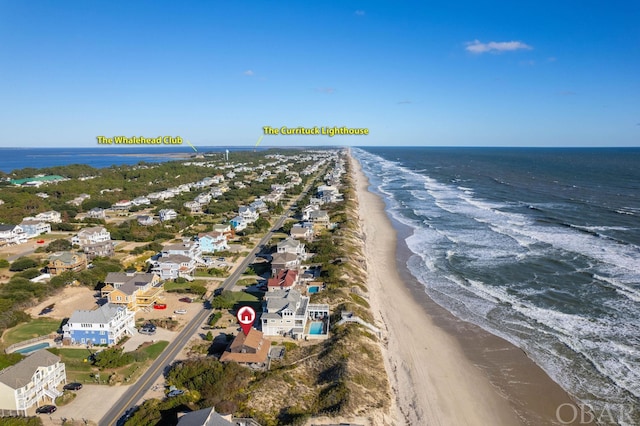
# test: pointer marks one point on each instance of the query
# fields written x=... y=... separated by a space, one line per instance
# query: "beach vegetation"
x=23 y=263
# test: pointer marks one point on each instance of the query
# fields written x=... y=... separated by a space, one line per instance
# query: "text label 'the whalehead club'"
x=140 y=140
x=328 y=131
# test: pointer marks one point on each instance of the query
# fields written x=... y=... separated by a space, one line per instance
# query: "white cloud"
x=359 y=12
x=478 y=47
x=249 y=72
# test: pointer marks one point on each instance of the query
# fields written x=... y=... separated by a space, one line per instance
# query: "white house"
x=96 y=213
x=174 y=266
x=33 y=228
x=248 y=214
x=92 y=235
x=141 y=201
x=238 y=223
x=12 y=234
x=167 y=214
x=106 y=325
x=193 y=206
x=290 y=245
x=51 y=216
x=303 y=231
x=284 y=313
x=31 y=382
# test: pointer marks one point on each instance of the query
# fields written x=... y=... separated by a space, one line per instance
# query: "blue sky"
x=468 y=73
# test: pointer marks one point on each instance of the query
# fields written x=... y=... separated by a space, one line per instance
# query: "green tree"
x=58 y=245
x=22 y=263
x=4 y=263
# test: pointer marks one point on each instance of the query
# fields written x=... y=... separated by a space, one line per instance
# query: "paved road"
x=165 y=359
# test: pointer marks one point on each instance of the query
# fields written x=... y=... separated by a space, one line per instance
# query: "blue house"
x=212 y=242
x=106 y=325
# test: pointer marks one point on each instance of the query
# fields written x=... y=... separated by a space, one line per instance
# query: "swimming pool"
x=316 y=327
x=28 y=349
x=313 y=289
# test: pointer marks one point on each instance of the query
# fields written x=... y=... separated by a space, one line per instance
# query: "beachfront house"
x=285 y=279
x=284 y=313
x=106 y=325
x=247 y=349
x=284 y=261
x=66 y=261
x=31 y=382
x=291 y=245
x=302 y=231
x=133 y=290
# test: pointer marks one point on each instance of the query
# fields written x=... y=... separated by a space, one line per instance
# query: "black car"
x=46 y=409
x=72 y=386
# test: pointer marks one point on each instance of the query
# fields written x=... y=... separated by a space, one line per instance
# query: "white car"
x=180 y=311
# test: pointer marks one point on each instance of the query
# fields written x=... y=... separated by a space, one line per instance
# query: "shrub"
x=22 y=264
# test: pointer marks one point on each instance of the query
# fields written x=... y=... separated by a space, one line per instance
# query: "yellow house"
x=133 y=290
x=66 y=261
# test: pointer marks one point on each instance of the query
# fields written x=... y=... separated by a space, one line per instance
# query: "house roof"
x=282 y=299
x=255 y=340
x=20 y=374
x=174 y=258
x=92 y=230
x=66 y=257
x=204 y=417
x=283 y=258
x=289 y=243
x=285 y=279
x=101 y=315
x=7 y=227
x=129 y=283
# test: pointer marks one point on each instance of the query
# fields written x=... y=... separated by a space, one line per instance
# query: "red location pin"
x=246 y=316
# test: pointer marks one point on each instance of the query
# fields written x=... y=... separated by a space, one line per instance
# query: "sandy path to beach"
x=433 y=382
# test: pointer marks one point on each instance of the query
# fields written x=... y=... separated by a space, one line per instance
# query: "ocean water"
x=538 y=246
x=98 y=157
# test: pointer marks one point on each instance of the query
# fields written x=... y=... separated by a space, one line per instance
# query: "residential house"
x=259 y=205
x=106 y=325
x=205 y=417
x=226 y=229
x=96 y=213
x=66 y=261
x=141 y=201
x=301 y=231
x=284 y=261
x=284 y=313
x=103 y=249
x=92 y=235
x=320 y=219
x=203 y=198
x=238 y=224
x=186 y=248
x=51 y=216
x=193 y=206
x=307 y=210
x=285 y=279
x=146 y=220
x=33 y=228
x=133 y=290
x=174 y=266
x=122 y=205
x=248 y=214
x=250 y=348
x=291 y=245
x=212 y=242
x=167 y=214
x=31 y=382
x=12 y=234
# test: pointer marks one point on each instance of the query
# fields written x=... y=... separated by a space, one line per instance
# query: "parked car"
x=186 y=299
x=175 y=392
x=147 y=330
x=72 y=386
x=46 y=409
x=180 y=311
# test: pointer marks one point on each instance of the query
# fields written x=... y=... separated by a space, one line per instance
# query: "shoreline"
x=443 y=370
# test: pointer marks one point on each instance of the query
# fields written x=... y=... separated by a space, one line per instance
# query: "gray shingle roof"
x=20 y=374
x=102 y=315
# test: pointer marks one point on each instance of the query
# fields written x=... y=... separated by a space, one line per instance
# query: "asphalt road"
x=139 y=388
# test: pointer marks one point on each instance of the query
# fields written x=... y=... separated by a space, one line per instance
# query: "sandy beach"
x=444 y=371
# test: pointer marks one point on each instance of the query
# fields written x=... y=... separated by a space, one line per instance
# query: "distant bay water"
x=538 y=246
x=98 y=157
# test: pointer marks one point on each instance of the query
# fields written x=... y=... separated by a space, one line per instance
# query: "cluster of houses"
x=286 y=307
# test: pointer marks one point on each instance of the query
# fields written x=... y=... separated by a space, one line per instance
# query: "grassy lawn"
x=170 y=285
x=36 y=328
x=79 y=369
x=246 y=282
